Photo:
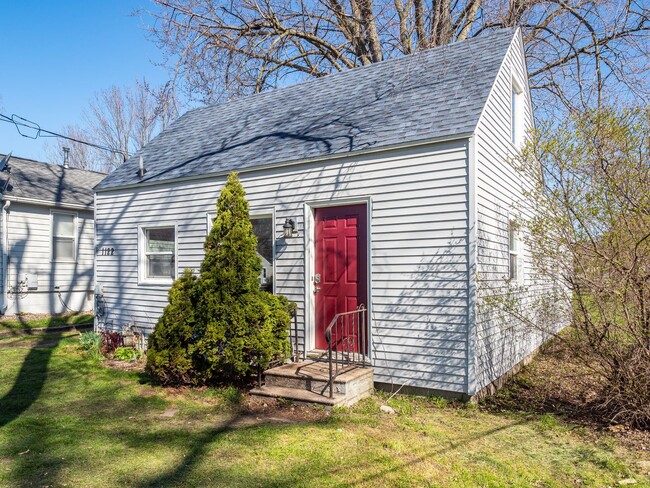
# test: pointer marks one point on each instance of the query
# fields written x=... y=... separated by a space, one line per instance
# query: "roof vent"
x=66 y=157
x=142 y=171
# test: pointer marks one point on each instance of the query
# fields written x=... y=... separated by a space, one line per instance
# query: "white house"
x=396 y=181
x=47 y=237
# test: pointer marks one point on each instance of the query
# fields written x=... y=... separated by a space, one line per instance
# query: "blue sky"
x=55 y=55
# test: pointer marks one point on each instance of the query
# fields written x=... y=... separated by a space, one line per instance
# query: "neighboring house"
x=47 y=237
x=396 y=178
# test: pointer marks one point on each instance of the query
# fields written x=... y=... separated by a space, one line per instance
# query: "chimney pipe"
x=66 y=156
x=141 y=171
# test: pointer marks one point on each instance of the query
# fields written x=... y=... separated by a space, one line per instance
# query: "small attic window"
x=515 y=112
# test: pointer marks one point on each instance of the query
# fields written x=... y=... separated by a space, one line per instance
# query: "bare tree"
x=81 y=155
x=122 y=120
x=223 y=49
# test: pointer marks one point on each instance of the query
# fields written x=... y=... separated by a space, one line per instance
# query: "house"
x=47 y=237
x=387 y=185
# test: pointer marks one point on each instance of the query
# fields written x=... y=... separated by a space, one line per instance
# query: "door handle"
x=316 y=289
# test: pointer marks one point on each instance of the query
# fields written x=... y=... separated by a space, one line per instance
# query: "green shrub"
x=90 y=341
x=127 y=354
x=219 y=327
x=171 y=345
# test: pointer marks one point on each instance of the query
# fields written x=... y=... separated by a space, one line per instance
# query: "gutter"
x=47 y=203
x=5 y=255
x=316 y=159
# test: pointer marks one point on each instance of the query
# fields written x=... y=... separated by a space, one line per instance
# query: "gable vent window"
x=515 y=113
x=514 y=251
x=63 y=236
x=159 y=253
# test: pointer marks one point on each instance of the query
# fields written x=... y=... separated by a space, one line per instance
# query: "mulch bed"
x=556 y=383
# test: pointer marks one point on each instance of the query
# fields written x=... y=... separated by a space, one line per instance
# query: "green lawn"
x=49 y=321
x=66 y=420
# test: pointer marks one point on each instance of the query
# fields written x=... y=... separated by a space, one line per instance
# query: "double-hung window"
x=263 y=230
x=64 y=236
x=159 y=253
x=514 y=253
x=262 y=220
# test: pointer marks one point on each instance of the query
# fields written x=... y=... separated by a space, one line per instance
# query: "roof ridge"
x=383 y=63
x=30 y=160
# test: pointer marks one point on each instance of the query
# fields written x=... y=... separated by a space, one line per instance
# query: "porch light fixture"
x=288 y=228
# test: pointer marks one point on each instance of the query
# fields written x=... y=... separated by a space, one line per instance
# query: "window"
x=63 y=236
x=514 y=250
x=263 y=230
x=159 y=253
x=515 y=113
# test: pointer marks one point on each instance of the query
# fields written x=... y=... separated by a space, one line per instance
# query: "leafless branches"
x=122 y=119
x=575 y=48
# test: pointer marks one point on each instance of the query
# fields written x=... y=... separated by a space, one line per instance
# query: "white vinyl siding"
x=419 y=249
x=502 y=341
x=30 y=234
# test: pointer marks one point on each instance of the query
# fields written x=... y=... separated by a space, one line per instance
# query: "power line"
x=19 y=122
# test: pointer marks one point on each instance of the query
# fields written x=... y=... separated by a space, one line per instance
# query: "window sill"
x=156 y=282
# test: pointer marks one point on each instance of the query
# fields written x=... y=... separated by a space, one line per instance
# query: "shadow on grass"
x=30 y=380
x=304 y=472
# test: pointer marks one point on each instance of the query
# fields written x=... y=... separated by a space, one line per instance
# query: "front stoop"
x=307 y=381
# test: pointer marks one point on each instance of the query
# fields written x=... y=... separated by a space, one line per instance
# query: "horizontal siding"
x=501 y=341
x=29 y=229
x=419 y=249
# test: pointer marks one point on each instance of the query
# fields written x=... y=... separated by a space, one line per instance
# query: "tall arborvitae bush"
x=236 y=327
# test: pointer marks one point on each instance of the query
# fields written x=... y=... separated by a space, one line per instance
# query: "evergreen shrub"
x=220 y=327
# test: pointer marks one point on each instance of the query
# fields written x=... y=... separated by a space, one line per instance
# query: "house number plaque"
x=106 y=251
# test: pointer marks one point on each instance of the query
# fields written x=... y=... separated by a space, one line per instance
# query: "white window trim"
x=75 y=236
x=142 y=261
x=516 y=113
x=518 y=252
x=253 y=212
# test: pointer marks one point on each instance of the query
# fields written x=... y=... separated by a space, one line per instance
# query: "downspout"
x=5 y=254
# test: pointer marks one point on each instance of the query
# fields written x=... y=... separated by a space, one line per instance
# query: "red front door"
x=341 y=263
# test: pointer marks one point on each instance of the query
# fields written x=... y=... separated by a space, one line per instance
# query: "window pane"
x=160 y=266
x=63 y=225
x=160 y=240
x=63 y=248
x=514 y=267
x=263 y=230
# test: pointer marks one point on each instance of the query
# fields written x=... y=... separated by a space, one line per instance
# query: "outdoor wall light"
x=288 y=228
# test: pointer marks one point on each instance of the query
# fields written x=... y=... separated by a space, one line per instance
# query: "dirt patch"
x=281 y=410
x=125 y=365
x=555 y=382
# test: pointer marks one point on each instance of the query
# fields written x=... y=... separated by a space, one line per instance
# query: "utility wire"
x=19 y=122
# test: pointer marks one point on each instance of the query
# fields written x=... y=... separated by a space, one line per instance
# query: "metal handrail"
x=347 y=330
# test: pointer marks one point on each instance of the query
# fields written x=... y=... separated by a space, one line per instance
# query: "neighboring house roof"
x=25 y=179
x=433 y=94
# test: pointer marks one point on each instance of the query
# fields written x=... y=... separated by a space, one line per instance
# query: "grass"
x=44 y=321
x=67 y=420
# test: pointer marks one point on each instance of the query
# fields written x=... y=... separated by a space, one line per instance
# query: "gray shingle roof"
x=433 y=94
x=48 y=182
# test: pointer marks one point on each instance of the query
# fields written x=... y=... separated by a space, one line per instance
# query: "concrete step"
x=298 y=395
x=305 y=379
x=314 y=376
